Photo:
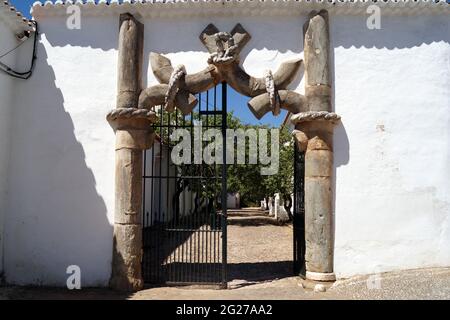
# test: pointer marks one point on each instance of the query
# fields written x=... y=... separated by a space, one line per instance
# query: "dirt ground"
x=259 y=249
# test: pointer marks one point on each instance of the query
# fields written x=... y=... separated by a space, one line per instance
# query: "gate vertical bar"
x=187 y=238
x=299 y=211
x=224 y=185
x=144 y=216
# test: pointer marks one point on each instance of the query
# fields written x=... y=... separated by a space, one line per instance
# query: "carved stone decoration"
x=213 y=40
x=222 y=55
x=314 y=116
x=301 y=139
x=269 y=93
x=289 y=100
x=273 y=94
x=174 y=84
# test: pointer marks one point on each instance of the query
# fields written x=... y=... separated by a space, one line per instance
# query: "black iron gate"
x=185 y=224
x=299 y=212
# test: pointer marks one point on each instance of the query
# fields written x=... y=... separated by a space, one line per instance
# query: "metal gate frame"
x=299 y=212
x=156 y=264
x=181 y=248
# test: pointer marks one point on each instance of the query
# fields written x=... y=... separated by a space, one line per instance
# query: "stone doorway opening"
x=135 y=113
x=261 y=241
x=188 y=237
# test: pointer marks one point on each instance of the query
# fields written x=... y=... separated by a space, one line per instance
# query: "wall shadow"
x=96 y=32
x=56 y=217
x=395 y=33
x=341 y=144
x=183 y=250
x=260 y=271
x=258 y=221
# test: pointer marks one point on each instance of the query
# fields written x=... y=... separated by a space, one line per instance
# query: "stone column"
x=133 y=135
x=129 y=64
x=317 y=62
x=314 y=136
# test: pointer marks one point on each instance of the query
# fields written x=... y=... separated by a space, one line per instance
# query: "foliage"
x=243 y=178
x=247 y=179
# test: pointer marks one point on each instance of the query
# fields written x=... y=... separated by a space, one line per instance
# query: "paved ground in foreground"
x=260 y=267
x=410 y=284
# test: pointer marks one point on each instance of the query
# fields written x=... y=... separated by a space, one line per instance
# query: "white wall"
x=392 y=183
x=233 y=201
x=62 y=173
x=159 y=192
x=7 y=42
x=392 y=89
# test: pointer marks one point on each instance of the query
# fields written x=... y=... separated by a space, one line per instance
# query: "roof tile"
x=175 y=8
x=14 y=19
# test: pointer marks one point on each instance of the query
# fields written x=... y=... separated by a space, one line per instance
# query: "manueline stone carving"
x=174 y=84
x=273 y=94
x=314 y=116
x=222 y=55
x=177 y=88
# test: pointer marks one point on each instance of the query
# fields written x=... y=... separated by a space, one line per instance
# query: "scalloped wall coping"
x=189 y=8
x=14 y=19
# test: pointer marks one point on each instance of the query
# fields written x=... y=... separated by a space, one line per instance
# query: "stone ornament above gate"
x=177 y=88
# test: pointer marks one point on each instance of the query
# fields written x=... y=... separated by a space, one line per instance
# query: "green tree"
x=243 y=178
x=247 y=179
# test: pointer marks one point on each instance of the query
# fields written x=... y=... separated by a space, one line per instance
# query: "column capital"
x=133 y=127
x=301 y=139
x=309 y=116
x=314 y=129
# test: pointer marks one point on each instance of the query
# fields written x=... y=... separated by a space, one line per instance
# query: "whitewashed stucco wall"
x=392 y=89
x=392 y=181
x=7 y=42
x=62 y=180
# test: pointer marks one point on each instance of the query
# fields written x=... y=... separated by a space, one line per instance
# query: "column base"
x=126 y=272
x=125 y=284
x=320 y=276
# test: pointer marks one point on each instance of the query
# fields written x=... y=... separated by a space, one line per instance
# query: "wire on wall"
x=27 y=74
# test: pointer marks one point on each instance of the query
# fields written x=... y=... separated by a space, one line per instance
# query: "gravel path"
x=259 y=249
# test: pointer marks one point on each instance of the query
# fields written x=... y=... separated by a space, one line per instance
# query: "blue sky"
x=236 y=102
x=23 y=6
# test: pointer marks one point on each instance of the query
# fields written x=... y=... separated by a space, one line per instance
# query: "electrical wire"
x=13 y=49
x=27 y=74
